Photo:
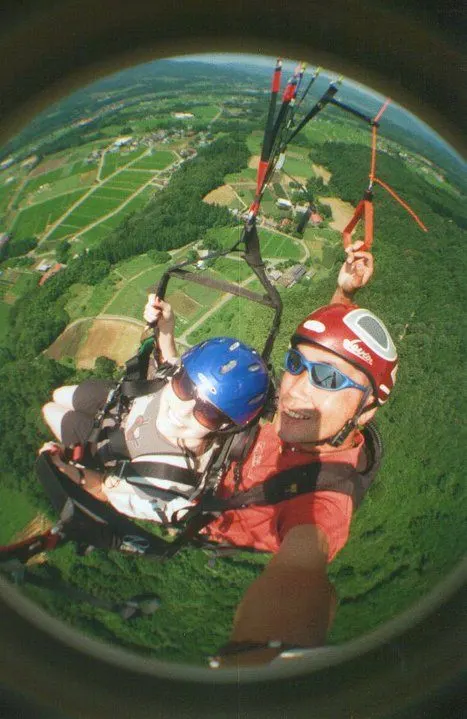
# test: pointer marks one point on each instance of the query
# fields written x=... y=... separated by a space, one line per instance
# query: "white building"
x=7 y=163
x=284 y=204
x=122 y=141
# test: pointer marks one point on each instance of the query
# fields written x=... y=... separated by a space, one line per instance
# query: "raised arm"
x=355 y=273
x=291 y=602
x=160 y=312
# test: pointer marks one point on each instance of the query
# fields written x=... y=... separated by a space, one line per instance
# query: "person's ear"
x=369 y=413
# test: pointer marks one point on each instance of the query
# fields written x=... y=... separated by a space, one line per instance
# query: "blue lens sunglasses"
x=321 y=375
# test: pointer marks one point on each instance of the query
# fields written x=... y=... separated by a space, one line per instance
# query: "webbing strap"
x=132 y=471
x=290 y=483
x=363 y=212
x=312 y=477
x=91 y=520
x=138 y=388
x=22 y=551
x=221 y=285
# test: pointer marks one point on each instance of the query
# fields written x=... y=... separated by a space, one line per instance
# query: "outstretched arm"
x=354 y=273
x=292 y=601
x=159 y=312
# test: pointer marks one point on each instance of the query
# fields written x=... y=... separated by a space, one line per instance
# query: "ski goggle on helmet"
x=228 y=379
x=359 y=337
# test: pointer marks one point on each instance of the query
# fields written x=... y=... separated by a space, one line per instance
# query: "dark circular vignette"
x=409 y=50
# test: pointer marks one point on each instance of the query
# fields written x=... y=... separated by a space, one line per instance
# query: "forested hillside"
x=411 y=528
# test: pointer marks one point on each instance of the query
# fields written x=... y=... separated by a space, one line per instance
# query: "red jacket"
x=264 y=527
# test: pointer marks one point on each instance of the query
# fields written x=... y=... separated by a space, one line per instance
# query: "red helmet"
x=357 y=336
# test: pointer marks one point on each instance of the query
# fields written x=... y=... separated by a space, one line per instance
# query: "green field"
x=101 y=295
x=23 y=283
x=157 y=160
x=109 y=192
x=4 y=314
x=226 y=236
x=132 y=267
x=6 y=192
x=78 y=298
x=112 y=131
x=139 y=200
x=205 y=112
x=255 y=142
x=234 y=270
x=146 y=124
x=247 y=175
x=273 y=245
x=325 y=130
x=83 y=215
x=97 y=204
x=113 y=161
x=44 y=178
x=91 y=237
x=130 y=301
x=203 y=295
x=132 y=298
x=97 y=233
x=60 y=187
x=298 y=167
x=131 y=179
x=35 y=219
x=229 y=320
x=16 y=512
x=89 y=211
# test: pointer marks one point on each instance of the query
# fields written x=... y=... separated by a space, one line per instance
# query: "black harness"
x=91 y=523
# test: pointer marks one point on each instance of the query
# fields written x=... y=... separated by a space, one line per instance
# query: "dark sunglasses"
x=320 y=374
x=204 y=412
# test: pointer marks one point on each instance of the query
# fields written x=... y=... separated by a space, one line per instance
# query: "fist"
x=357 y=268
x=157 y=312
x=51 y=448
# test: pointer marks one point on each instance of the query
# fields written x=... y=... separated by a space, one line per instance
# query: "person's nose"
x=185 y=408
x=300 y=391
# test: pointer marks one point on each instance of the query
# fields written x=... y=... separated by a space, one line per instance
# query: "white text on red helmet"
x=354 y=348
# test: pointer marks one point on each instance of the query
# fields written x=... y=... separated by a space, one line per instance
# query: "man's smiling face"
x=308 y=414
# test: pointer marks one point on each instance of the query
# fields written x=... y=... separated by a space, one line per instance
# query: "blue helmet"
x=230 y=375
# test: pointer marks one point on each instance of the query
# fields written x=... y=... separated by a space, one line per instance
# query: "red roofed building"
x=50 y=273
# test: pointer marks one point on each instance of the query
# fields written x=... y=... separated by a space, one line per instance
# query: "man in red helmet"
x=340 y=368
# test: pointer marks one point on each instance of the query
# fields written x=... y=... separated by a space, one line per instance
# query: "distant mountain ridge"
x=172 y=74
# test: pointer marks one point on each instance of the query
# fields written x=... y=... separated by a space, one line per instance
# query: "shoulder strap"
x=133 y=471
x=290 y=483
x=313 y=477
x=134 y=385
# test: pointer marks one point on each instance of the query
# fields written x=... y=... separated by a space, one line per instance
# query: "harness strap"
x=86 y=519
x=140 y=387
x=223 y=286
x=133 y=471
x=290 y=483
x=198 y=517
x=116 y=444
x=316 y=476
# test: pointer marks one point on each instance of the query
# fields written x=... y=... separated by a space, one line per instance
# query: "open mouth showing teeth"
x=296 y=415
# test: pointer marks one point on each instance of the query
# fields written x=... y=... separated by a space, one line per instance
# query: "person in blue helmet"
x=168 y=436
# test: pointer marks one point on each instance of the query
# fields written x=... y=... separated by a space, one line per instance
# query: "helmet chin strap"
x=349 y=426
